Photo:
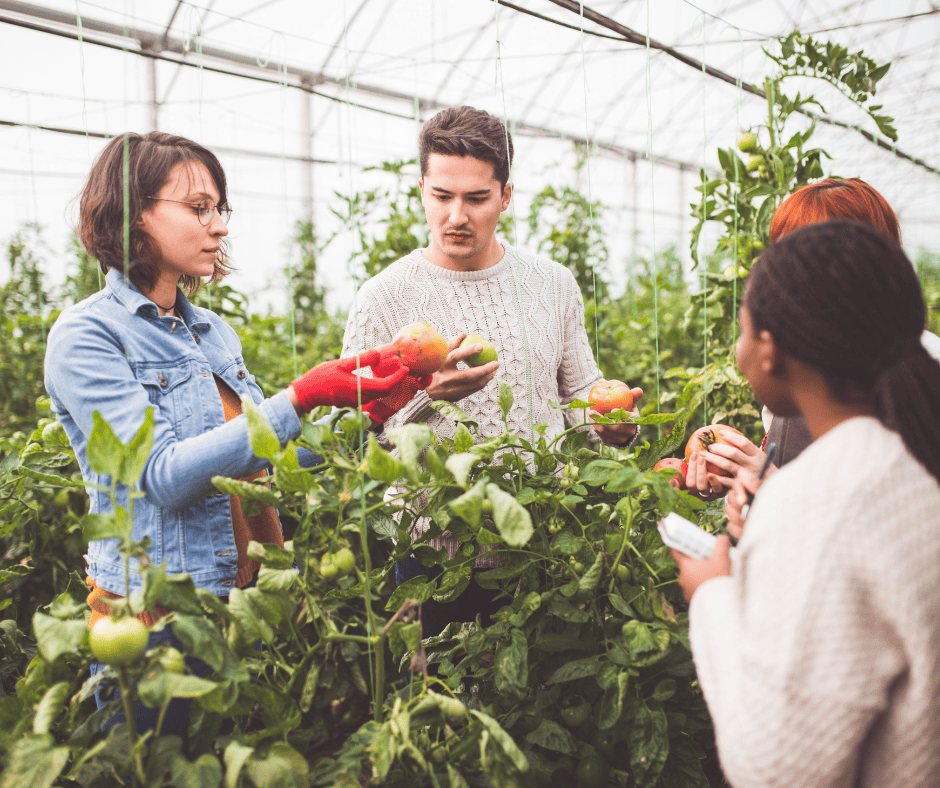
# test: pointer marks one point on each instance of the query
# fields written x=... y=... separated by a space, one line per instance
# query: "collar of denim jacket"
x=135 y=301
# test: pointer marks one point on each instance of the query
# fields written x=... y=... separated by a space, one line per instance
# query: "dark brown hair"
x=843 y=298
x=467 y=131
x=835 y=198
x=149 y=158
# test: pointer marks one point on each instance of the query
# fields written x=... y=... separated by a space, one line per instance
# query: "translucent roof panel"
x=299 y=98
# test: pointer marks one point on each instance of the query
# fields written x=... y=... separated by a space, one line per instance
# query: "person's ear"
x=769 y=355
x=506 y=197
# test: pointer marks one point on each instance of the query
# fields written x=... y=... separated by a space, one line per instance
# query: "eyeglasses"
x=204 y=210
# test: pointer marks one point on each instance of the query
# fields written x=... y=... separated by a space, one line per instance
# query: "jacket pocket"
x=171 y=390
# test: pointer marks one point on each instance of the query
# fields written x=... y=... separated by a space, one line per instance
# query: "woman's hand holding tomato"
x=617 y=434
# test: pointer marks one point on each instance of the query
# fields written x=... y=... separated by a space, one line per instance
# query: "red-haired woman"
x=828 y=199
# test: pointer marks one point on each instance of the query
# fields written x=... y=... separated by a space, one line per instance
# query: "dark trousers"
x=475 y=600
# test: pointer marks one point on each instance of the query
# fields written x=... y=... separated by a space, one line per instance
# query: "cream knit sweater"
x=820 y=657
x=529 y=307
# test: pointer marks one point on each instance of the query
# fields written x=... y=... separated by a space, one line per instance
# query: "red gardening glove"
x=335 y=382
x=380 y=410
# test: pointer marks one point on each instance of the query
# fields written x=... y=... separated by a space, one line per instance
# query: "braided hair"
x=844 y=299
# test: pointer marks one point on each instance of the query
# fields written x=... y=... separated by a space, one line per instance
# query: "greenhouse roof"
x=300 y=98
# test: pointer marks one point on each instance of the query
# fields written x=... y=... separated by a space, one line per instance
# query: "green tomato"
x=747 y=142
x=592 y=772
x=577 y=566
x=623 y=573
x=328 y=568
x=604 y=742
x=487 y=506
x=172 y=660
x=754 y=161
x=344 y=560
x=575 y=711
x=118 y=641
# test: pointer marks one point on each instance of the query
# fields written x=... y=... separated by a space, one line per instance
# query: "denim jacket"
x=114 y=353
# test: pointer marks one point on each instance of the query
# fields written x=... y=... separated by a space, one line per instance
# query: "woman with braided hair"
x=830 y=198
x=818 y=646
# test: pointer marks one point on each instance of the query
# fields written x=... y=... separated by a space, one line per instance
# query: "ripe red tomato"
x=118 y=641
x=680 y=467
x=422 y=349
x=704 y=437
x=610 y=395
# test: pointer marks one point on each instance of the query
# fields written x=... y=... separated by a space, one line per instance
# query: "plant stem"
x=139 y=775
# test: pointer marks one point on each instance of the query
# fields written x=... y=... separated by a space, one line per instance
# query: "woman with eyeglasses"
x=153 y=212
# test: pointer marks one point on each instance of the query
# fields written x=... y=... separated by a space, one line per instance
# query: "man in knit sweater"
x=466 y=282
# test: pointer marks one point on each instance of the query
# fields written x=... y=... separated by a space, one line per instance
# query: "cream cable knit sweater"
x=560 y=367
x=820 y=657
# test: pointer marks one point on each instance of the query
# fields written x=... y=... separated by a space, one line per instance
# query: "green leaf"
x=411 y=440
x=55 y=637
x=505 y=398
x=460 y=466
x=450 y=411
x=403 y=638
x=648 y=741
x=503 y=739
x=50 y=707
x=270 y=555
x=512 y=520
x=590 y=579
x=600 y=472
x=380 y=465
x=165 y=686
x=469 y=506
x=108 y=456
x=572 y=671
x=453 y=583
x=511 y=666
x=552 y=736
x=417 y=588
x=463 y=440
x=263 y=438
x=612 y=702
x=105 y=526
x=235 y=757
x=34 y=762
x=643 y=645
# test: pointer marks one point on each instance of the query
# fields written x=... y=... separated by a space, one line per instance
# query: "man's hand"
x=452 y=384
x=743 y=488
x=692 y=572
x=619 y=434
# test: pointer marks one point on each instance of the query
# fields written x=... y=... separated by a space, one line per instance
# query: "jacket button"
x=241 y=374
x=203 y=373
x=196 y=337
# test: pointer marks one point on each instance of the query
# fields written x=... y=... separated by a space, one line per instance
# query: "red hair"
x=835 y=198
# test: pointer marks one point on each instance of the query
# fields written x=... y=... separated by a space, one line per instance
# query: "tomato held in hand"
x=674 y=464
x=118 y=641
x=609 y=395
x=704 y=437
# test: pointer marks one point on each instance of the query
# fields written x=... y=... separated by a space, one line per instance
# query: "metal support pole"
x=151 y=66
x=636 y=209
x=306 y=150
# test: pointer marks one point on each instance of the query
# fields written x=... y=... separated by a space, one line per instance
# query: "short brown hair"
x=835 y=198
x=467 y=131
x=101 y=223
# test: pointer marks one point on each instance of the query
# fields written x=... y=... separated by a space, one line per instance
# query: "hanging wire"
x=703 y=247
x=649 y=156
x=513 y=259
x=736 y=191
x=587 y=164
x=81 y=63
